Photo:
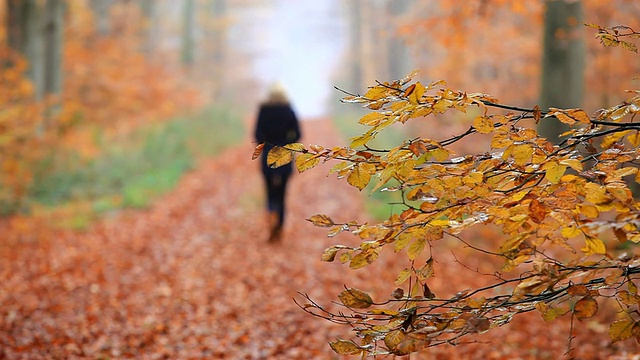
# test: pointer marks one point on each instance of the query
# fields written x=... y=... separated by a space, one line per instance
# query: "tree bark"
x=398 y=53
x=53 y=41
x=25 y=36
x=562 y=63
x=101 y=15
x=149 y=31
x=217 y=45
x=188 y=33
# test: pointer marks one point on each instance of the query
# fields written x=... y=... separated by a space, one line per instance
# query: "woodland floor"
x=194 y=278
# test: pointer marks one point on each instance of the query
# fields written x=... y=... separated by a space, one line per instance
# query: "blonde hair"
x=277 y=94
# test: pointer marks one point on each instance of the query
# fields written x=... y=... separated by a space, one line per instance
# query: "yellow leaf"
x=560 y=115
x=305 y=162
x=621 y=329
x=340 y=167
x=416 y=93
x=585 y=308
x=376 y=93
x=522 y=154
x=279 y=156
x=473 y=178
x=511 y=244
x=426 y=271
x=355 y=299
x=570 y=232
x=578 y=115
x=548 y=313
x=500 y=140
x=626 y=171
x=619 y=113
x=619 y=191
x=329 y=254
x=345 y=347
x=403 y=276
x=363 y=259
x=553 y=171
x=589 y=211
x=416 y=248
x=575 y=164
x=402 y=241
x=361 y=140
x=439 y=154
x=483 y=124
x=294 y=146
x=629 y=46
x=596 y=194
x=610 y=140
x=607 y=39
x=533 y=285
x=634 y=138
x=359 y=177
x=372 y=119
x=593 y=246
x=393 y=339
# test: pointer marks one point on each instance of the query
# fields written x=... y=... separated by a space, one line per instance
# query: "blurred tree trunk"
x=149 y=28
x=398 y=57
x=562 y=63
x=355 y=74
x=101 y=15
x=35 y=30
x=53 y=40
x=217 y=46
x=362 y=56
x=188 y=33
x=53 y=53
x=25 y=35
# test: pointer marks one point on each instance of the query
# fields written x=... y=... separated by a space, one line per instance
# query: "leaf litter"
x=193 y=277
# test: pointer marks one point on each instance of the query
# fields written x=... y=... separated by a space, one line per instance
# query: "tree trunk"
x=53 y=28
x=25 y=36
x=398 y=53
x=216 y=39
x=149 y=29
x=188 y=33
x=101 y=15
x=562 y=63
x=53 y=54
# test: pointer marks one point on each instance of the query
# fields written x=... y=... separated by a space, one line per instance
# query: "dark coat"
x=277 y=125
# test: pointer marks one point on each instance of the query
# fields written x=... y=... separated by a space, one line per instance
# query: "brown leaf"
x=345 y=347
x=585 y=308
x=578 y=290
x=321 y=220
x=257 y=151
x=537 y=211
x=355 y=299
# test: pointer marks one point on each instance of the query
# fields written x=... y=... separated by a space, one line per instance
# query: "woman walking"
x=277 y=125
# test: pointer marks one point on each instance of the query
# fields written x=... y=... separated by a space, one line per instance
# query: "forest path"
x=194 y=278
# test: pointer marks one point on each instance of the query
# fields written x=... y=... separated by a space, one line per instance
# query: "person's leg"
x=274 y=191
x=281 y=191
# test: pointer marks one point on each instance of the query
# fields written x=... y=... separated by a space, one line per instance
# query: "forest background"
x=78 y=77
x=105 y=104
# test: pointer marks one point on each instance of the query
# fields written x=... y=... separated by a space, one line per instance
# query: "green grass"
x=132 y=170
